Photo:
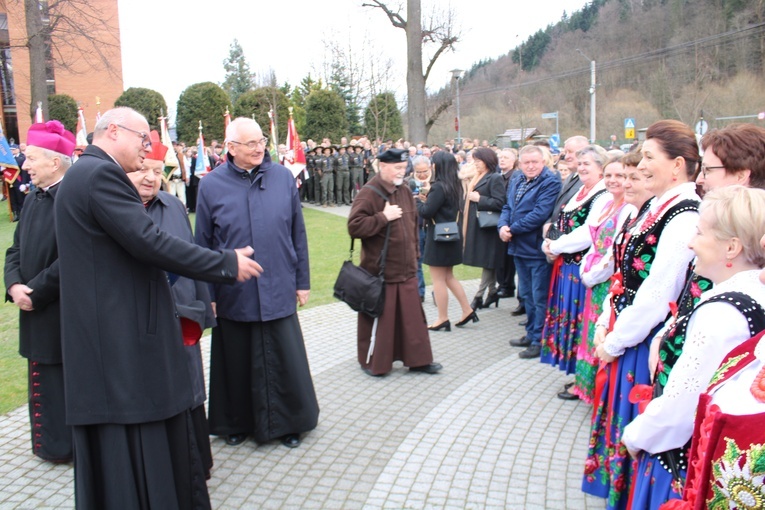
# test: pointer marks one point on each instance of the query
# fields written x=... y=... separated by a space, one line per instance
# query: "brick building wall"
x=85 y=76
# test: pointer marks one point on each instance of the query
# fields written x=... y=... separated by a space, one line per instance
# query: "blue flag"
x=6 y=158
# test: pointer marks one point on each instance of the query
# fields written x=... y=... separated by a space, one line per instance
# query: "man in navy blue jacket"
x=260 y=382
x=531 y=196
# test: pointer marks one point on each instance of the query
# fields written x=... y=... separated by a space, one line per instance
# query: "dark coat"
x=123 y=355
x=483 y=247
x=367 y=222
x=32 y=260
x=527 y=217
x=192 y=298
x=264 y=213
x=568 y=189
x=439 y=209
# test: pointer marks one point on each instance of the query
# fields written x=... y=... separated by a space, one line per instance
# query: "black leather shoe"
x=531 y=352
x=235 y=439
x=505 y=293
x=518 y=310
x=369 y=372
x=565 y=395
x=477 y=303
x=291 y=440
x=524 y=323
x=446 y=326
x=472 y=317
x=431 y=368
x=521 y=342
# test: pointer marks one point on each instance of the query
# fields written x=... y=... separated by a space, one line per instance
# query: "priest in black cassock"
x=127 y=383
x=260 y=381
x=31 y=282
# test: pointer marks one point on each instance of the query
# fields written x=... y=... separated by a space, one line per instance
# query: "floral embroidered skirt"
x=586 y=362
x=563 y=321
x=653 y=484
x=608 y=468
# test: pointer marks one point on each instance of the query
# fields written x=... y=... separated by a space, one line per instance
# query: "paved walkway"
x=486 y=432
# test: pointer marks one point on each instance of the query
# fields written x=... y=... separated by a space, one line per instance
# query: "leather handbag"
x=487 y=219
x=357 y=287
x=446 y=232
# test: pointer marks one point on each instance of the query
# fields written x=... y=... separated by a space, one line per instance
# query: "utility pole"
x=593 y=83
x=456 y=73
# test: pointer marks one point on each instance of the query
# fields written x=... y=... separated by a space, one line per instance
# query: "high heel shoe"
x=446 y=326
x=493 y=299
x=477 y=303
x=472 y=317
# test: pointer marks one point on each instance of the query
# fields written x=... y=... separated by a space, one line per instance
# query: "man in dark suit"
x=127 y=385
x=572 y=183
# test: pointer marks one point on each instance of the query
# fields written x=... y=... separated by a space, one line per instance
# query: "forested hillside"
x=655 y=59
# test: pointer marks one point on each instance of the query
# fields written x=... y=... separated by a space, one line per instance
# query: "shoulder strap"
x=749 y=308
x=384 y=253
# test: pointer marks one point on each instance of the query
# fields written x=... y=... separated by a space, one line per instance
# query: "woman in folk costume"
x=652 y=256
x=603 y=224
x=728 y=252
x=565 y=301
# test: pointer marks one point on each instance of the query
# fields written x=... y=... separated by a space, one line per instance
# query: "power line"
x=722 y=38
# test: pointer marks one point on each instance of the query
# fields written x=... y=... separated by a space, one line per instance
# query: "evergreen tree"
x=340 y=83
x=382 y=118
x=147 y=102
x=258 y=102
x=202 y=101
x=63 y=108
x=239 y=79
x=325 y=116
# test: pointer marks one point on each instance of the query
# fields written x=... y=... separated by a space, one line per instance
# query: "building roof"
x=514 y=134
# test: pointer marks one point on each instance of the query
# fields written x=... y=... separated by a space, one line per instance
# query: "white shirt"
x=713 y=331
x=581 y=239
x=665 y=280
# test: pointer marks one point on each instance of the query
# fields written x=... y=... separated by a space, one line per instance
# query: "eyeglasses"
x=706 y=169
x=253 y=144
x=145 y=138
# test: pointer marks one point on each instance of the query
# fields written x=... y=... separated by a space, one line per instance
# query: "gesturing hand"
x=247 y=267
x=392 y=212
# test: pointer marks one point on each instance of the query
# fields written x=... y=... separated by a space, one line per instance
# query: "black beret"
x=393 y=156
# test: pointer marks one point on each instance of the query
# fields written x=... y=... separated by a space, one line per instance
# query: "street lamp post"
x=456 y=73
x=592 y=95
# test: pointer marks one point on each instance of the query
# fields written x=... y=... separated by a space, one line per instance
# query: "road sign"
x=629 y=123
x=555 y=140
x=551 y=115
x=629 y=133
x=701 y=127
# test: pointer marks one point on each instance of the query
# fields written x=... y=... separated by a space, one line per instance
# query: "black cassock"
x=32 y=260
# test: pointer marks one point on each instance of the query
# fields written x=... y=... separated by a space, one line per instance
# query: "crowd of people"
x=650 y=297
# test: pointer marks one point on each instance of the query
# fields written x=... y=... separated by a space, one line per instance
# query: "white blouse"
x=713 y=331
x=665 y=280
x=734 y=396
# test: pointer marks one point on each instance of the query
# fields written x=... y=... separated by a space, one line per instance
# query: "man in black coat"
x=127 y=384
x=32 y=283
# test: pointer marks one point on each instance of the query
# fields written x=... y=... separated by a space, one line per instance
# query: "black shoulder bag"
x=357 y=287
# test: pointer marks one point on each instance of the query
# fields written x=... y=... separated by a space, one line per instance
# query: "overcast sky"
x=168 y=45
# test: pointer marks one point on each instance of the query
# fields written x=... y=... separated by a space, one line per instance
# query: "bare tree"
x=60 y=33
x=439 y=30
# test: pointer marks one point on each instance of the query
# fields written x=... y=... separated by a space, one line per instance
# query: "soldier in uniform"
x=306 y=190
x=326 y=168
x=357 y=169
x=342 y=177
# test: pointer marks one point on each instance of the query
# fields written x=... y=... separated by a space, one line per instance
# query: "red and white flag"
x=171 y=159
x=295 y=159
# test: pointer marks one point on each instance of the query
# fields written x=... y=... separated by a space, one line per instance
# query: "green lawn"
x=328 y=244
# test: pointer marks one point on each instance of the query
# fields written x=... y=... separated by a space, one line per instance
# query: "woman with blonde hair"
x=728 y=252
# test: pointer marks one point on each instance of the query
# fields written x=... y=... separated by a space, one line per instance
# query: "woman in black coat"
x=483 y=247
x=441 y=205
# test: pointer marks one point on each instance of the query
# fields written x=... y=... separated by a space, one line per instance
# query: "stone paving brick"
x=484 y=433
